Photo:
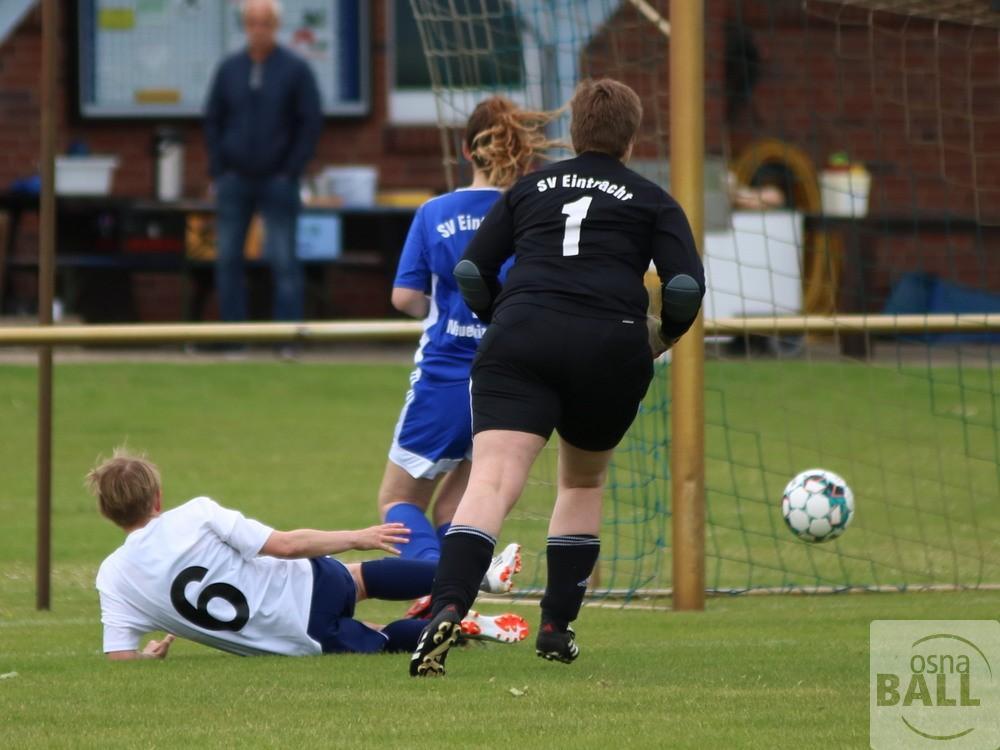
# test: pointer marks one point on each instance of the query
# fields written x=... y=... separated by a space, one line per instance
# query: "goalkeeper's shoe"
x=506 y=628
x=499 y=579
x=556 y=645
x=441 y=634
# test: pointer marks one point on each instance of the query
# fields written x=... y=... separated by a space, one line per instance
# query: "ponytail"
x=504 y=140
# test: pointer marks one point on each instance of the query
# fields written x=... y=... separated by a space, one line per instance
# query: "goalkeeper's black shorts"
x=539 y=369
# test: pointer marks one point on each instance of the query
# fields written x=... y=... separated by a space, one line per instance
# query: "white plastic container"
x=85 y=175
x=319 y=236
x=355 y=185
x=844 y=192
x=169 y=170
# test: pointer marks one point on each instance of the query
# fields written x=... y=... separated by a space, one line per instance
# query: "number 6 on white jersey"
x=575 y=212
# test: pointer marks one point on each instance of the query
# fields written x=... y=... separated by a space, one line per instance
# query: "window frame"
x=416 y=107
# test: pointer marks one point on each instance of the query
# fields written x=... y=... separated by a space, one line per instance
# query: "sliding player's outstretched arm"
x=124 y=627
x=153 y=650
x=312 y=543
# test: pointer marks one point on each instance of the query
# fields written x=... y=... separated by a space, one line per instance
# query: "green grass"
x=919 y=447
x=305 y=445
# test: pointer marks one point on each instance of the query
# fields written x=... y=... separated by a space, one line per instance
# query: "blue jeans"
x=277 y=199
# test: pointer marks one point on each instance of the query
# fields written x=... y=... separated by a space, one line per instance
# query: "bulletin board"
x=156 y=58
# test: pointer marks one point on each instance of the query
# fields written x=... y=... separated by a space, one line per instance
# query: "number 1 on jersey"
x=575 y=212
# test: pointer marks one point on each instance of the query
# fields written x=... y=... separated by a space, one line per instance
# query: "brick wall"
x=829 y=81
x=918 y=102
x=964 y=257
x=632 y=49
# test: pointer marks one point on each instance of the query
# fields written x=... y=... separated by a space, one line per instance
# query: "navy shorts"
x=331 y=616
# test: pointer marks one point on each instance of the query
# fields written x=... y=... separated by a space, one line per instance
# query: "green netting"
x=907 y=92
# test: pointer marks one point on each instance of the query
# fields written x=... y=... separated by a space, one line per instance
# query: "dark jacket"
x=268 y=130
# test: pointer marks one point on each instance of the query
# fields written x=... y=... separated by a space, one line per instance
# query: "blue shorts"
x=331 y=616
x=434 y=431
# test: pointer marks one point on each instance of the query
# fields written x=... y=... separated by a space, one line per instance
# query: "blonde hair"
x=605 y=117
x=126 y=487
x=504 y=139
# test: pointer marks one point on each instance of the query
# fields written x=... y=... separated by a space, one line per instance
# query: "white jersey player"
x=209 y=574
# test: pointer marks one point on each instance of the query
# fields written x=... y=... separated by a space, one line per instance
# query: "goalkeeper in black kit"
x=567 y=349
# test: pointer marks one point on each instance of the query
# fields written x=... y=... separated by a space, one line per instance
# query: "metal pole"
x=687 y=464
x=133 y=334
x=46 y=253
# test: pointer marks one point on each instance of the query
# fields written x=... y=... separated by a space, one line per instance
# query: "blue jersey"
x=437 y=238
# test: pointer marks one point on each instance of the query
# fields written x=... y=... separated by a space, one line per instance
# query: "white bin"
x=85 y=175
x=845 y=192
x=354 y=185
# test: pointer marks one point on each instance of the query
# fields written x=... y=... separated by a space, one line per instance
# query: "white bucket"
x=845 y=192
x=84 y=175
x=170 y=172
x=355 y=185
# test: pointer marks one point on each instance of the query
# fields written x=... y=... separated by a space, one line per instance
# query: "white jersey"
x=194 y=571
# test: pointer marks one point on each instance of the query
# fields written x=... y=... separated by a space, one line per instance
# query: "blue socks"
x=423 y=544
x=398 y=580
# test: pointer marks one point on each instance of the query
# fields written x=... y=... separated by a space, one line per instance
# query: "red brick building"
x=917 y=100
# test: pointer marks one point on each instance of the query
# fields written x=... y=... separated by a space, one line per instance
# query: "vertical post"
x=46 y=258
x=687 y=459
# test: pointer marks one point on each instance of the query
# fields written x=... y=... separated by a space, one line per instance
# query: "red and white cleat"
x=506 y=628
x=420 y=609
x=499 y=579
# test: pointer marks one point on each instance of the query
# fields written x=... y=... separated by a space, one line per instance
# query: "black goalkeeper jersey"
x=583 y=232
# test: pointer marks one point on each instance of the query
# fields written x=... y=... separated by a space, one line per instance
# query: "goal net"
x=853 y=166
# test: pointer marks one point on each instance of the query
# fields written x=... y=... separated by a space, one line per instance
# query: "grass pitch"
x=305 y=445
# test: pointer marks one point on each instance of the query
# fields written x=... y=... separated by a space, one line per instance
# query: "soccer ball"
x=817 y=505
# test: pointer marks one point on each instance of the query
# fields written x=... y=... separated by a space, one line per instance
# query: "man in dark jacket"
x=263 y=119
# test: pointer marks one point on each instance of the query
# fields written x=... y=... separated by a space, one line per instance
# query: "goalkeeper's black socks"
x=571 y=559
x=466 y=554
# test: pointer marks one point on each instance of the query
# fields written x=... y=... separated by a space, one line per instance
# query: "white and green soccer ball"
x=817 y=505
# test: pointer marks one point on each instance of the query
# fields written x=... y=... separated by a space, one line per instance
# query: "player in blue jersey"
x=432 y=444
